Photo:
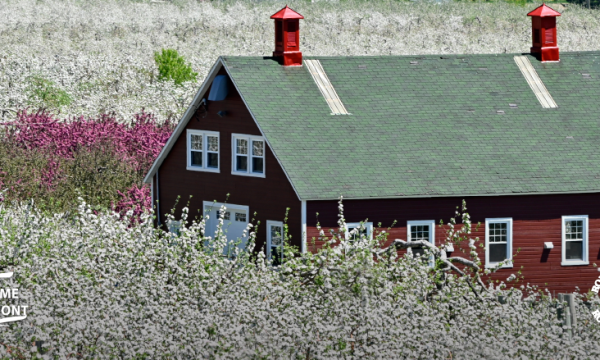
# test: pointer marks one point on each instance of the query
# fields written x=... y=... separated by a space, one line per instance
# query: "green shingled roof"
x=430 y=128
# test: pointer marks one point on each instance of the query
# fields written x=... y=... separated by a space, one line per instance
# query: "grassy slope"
x=100 y=53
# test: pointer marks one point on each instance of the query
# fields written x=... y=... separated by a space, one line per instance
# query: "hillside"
x=83 y=57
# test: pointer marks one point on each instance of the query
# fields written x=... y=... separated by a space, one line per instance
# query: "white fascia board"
x=191 y=110
x=261 y=131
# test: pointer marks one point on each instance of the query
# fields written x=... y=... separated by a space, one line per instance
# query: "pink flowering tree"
x=54 y=161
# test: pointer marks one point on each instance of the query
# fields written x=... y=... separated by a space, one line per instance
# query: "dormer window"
x=248 y=155
x=203 y=150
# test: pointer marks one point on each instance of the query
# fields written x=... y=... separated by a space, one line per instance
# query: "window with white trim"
x=203 y=150
x=575 y=240
x=363 y=229
x=498 y=242
x=275 y=236
x=248 y=155
x=421 y=230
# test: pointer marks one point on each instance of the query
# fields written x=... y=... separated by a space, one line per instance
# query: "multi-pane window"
x=248 y=155
x=275 y=242
x=196 y=149
x=258 y=156
x=498 y=241
x=363 y=230
x=212 y=152
x=575 y=240
x=240 y=217
x=226 y=216
x=241 y=155
x=421 y=230
x=203 y=150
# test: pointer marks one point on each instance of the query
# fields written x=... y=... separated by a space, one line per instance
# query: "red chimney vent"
x=543 y=25
x=287 y=36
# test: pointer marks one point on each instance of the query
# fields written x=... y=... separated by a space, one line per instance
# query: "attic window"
x=586 y=76
x=218 y=89
x=324 y=85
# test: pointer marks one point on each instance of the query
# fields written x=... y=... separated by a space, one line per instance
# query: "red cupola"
x=287 y=37
x=543 y=25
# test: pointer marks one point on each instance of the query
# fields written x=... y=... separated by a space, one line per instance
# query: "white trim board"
x=535 y=83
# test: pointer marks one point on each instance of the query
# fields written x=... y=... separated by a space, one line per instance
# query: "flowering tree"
x=97 y=288
x=54 y=161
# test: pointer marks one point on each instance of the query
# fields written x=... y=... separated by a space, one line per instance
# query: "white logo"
x=14 y=313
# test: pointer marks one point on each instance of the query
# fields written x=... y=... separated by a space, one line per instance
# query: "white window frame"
x=269 y=224
x=431 y=224
x=509 y=242
x=248 y=138
x=204 y=151
x=368 y=226
x=585 y=247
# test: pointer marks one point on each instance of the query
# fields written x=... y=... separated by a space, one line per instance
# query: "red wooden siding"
x=536 y=219
x=268 y=196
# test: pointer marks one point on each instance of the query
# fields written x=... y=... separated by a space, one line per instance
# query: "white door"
x=235 y=222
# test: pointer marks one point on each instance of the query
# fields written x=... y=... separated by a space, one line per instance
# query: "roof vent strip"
x=535 y=83
x=324 y=85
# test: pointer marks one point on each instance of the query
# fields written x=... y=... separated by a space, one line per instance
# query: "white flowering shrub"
x=91 y=57
x=96 y=288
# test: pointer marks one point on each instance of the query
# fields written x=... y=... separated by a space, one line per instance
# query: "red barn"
x=405 y=139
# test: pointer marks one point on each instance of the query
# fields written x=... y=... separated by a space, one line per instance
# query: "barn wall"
x=536 y=219
x=268 y=196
